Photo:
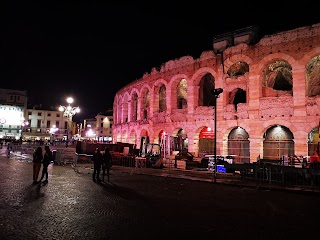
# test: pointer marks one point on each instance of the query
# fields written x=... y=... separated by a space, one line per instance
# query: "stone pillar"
x=151 y=107
x=191 y=147
x=192 y=97
x=254 y=92
x=139 y=108
x=168 y=100
x=256 y=148
x=301 y=144
x=299 y=89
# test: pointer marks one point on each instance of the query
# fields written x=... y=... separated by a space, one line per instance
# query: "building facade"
x=99 y=128
x=45 y=125
x=17 y=121
x=12 y=107
x=269 y=106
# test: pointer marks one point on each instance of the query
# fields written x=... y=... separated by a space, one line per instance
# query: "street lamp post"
x=69 y=112
x=215 y=92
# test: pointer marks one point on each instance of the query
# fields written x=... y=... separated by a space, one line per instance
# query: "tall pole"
x=68 y=130
x=215 y=139
x=215 y=92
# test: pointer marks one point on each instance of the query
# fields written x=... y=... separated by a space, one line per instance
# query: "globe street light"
x=69 y=112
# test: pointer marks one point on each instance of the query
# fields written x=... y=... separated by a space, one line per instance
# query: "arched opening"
x=236 y=96
x=162 y=99
x=182 y=94
x=239 y=145
x=134 y=107
x=278 y=142
x=277 y=79
x=313 y=77
x=180 y=142
x=313 y=142
x=238 y=69
x=205 y=95
x=206 y=141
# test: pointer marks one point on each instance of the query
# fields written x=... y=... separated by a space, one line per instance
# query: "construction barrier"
x=64 y=156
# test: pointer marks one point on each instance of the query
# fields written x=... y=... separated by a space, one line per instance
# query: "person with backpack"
x=37 y=158
x=47 y=158
x=106 y=163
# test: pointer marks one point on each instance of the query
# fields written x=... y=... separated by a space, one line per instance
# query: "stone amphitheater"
x=269 y=104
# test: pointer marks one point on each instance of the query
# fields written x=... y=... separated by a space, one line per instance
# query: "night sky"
x=91 y=49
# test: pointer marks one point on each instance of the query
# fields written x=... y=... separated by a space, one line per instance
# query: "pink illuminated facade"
x=269 y=107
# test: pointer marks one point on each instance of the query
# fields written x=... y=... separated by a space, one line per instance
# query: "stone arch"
x=278 y=142
x=204 y=140
x=314 y=141
x=276 y=75
x=133 y=137
x=125 y=108
x=236 y=58
x=145 y=103
x=274 y=122
x=134 y=91
x=144 y=132
x=313 y=77
x=309 y=55
x=305 y=61
x=124 y=136
x=265 y=62
x=143 y=89
x=174 y=90
x=239 y=145
x=236 y=96
x=118 y=109
x=118 y=138
x=144 y=141
x=180 y=139
x=196 y=77
x=182 y=94
x=160 y=96
x=134 y=96
x=206 y=85
x=157 y=133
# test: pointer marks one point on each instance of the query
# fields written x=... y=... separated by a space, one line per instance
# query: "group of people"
x=101 y=161
x=44 y=159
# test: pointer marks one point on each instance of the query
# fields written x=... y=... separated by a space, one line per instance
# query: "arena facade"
x=269 y=107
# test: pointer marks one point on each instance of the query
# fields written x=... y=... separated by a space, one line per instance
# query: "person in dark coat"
x=47 y=158
x=106 y=164
x=37 y=158
x=97 y=162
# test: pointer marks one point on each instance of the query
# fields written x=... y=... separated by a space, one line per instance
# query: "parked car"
x=184 y=155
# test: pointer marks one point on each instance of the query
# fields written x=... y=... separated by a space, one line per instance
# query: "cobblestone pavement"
x=138 y=206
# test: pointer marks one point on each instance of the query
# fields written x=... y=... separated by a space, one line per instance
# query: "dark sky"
x=91 y=49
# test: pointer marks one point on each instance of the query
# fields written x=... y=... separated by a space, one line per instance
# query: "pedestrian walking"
x=97 y=162
x=47 y=158
x=37 y=158
x=106 y=163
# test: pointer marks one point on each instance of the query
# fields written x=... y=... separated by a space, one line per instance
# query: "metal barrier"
x=125 y=161
x=277 y=174
x=83 y=163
